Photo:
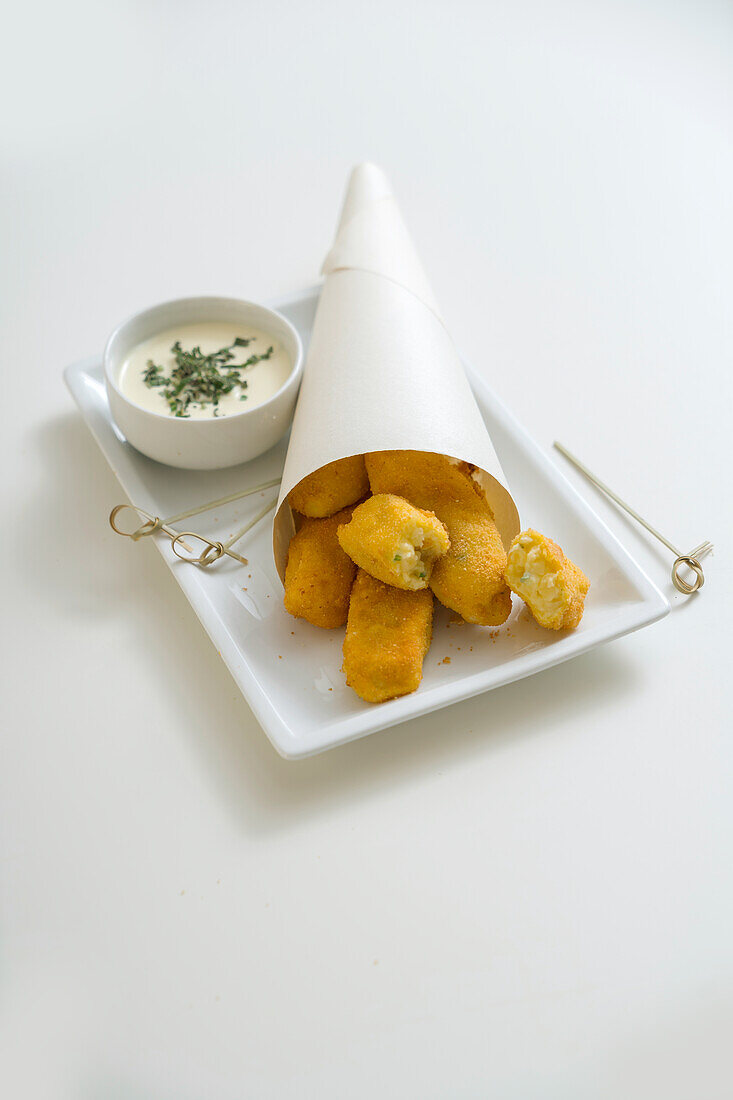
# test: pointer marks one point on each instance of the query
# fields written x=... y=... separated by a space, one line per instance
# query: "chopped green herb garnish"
x=397 y=557
x=423 y=576
x=152 y=375
x=199 y=379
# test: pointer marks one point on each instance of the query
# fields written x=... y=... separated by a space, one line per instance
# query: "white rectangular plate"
x=290 y=672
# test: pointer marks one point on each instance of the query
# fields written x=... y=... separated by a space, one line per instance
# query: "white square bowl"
x=290 y=672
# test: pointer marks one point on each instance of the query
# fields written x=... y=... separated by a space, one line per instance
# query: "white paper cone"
x=382 y=372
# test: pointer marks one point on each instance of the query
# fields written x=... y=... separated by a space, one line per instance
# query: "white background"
x=527 y=896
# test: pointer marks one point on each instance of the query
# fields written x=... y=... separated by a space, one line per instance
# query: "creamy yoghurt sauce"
x=199 y=371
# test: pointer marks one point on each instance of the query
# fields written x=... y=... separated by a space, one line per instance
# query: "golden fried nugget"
x=319 y=575
x=331 y=488
x=469 y=578
x=387 y=636
x=419 y=476
x=553 y=588
x=394 y=541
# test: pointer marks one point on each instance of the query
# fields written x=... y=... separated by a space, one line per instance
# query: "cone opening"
x=506 y=516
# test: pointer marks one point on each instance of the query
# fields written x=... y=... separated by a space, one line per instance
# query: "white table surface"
x=527 y=895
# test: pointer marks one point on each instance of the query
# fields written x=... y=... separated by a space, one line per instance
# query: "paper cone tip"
x=371 y=176
x=367 y=184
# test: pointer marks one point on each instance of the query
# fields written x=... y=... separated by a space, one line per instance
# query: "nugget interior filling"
x=415 y=554
x=394 y=541
x=534 y=576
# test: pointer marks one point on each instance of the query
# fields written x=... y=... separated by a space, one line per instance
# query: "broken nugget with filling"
x=469 y=578
x=394 y=541
x=333 y=487
x=553 y=588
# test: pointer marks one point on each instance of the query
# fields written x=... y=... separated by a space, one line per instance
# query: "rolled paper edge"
x=500 y=500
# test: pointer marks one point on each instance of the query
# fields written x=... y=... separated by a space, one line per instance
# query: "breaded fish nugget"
x=319 y=575
x=419 y=476
x=394 y=541
x=331 y=488
x=469 y=578
x=387 y=636
x=553 y=588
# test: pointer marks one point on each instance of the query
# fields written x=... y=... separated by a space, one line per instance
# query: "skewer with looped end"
x=212 y=551
x=689 y=561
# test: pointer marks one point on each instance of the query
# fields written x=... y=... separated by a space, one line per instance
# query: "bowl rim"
x=295 y=371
